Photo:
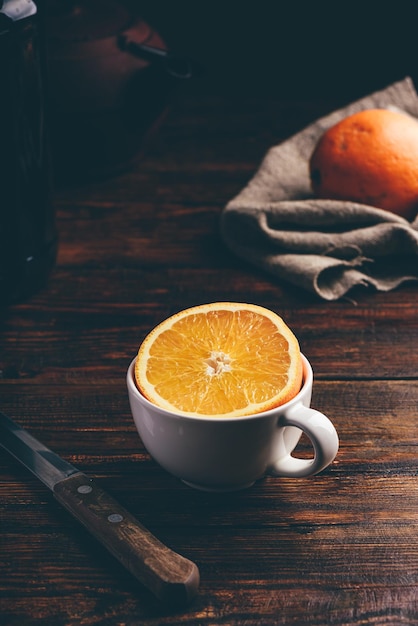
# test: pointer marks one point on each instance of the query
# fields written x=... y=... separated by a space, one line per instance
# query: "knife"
x=169 y=576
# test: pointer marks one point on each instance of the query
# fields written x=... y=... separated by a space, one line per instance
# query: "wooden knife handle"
x=171 y=577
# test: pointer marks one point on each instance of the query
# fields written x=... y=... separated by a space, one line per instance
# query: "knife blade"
x=169 y=576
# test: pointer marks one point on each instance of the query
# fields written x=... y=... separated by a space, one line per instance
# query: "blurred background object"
x=109 y=88
x=28 y=242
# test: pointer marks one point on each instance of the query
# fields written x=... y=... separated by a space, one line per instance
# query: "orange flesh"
x=220 y=362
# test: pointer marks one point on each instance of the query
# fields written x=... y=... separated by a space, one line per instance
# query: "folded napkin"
x=325 y=246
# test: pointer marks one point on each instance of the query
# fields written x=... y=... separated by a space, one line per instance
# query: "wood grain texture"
x=173 y=579
x=337 y=548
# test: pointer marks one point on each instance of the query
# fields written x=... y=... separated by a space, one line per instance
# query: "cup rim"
x=132 y=388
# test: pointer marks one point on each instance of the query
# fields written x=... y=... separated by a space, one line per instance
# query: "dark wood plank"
x=330 y=543
x=91 y=324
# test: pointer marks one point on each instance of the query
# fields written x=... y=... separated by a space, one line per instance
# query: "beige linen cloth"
x=324 y=246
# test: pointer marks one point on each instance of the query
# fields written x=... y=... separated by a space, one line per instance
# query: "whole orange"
x=369 y=157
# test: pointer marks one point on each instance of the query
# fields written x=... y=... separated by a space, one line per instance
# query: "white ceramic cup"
x=230 y=453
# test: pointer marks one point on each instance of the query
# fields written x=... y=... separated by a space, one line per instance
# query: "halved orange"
x=224 y=359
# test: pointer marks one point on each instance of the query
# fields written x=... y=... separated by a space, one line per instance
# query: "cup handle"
x=322 y=435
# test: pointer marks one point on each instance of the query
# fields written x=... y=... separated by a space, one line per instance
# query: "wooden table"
x=338 y=548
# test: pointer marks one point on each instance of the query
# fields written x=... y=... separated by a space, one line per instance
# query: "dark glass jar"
x=28 y=239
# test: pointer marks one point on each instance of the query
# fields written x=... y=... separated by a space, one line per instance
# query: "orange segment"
x=220 y=359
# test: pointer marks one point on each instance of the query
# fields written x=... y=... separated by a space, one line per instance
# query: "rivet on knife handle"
x=171 y=577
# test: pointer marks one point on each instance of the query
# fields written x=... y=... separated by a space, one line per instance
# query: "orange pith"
x=220 y=359
x=369 y=157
